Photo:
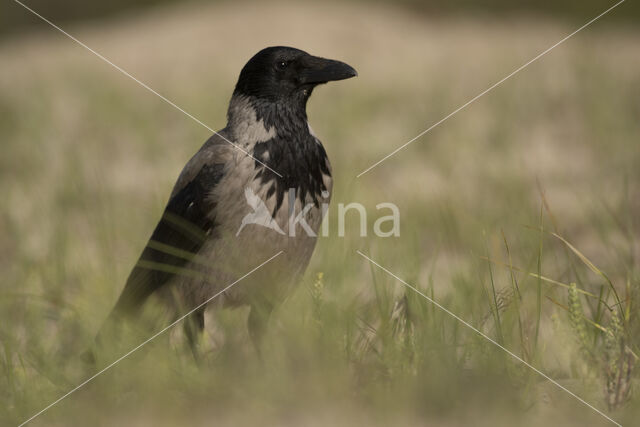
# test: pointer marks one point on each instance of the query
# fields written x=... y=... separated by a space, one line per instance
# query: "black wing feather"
x=185 y=225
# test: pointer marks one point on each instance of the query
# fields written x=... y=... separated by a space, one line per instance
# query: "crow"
x=266 y=156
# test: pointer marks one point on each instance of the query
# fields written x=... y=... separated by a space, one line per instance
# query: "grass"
x=519 y=214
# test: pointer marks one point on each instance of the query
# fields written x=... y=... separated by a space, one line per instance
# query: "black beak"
x=320 y=70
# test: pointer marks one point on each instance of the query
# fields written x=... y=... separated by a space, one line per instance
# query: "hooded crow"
x=233 y=204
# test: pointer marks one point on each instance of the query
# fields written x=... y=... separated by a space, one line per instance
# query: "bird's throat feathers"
x=278 y=135
x=266 y=118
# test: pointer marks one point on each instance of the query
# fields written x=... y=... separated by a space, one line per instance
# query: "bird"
x=266 y=160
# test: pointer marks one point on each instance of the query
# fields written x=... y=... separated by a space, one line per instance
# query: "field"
x=541 y=174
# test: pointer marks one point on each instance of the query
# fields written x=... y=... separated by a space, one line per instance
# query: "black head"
x=286 y=74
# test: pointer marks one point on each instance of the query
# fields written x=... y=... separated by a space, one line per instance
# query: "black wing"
x=187 y=222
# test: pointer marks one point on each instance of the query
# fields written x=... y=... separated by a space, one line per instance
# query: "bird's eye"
x=282 y=65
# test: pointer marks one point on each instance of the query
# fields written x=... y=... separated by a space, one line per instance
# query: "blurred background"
x=65 y=11
x=541 y=174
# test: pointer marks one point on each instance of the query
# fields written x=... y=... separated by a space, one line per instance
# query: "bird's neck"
x=286 y=119
x=280 y=139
